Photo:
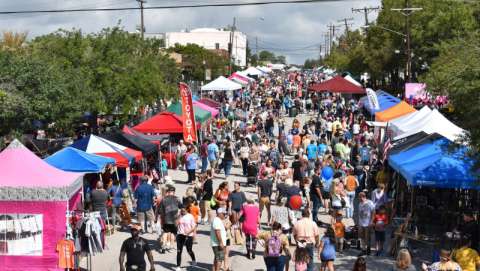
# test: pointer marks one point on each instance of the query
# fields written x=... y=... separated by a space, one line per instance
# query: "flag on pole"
x=188 y=116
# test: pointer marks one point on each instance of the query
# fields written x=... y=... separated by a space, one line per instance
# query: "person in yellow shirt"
x=466 y=257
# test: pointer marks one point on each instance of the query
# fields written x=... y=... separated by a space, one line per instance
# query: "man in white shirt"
x=218 y=238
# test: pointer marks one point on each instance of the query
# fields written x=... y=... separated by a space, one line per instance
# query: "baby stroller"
x=252 y=172
x=351 y=238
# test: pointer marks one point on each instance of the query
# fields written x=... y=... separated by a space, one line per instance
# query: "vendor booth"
x=404 y=123
x=385 y=101
x=131 y=141
x=34 y=200
x=201 y=115
x=75 y=160
x=221 y=84
x=398 y=110
x=161 y=123
x=208 y=108
x=157 y=139
x=337 y=84
x=124 y=157
x=433 y=122
x=211 y=103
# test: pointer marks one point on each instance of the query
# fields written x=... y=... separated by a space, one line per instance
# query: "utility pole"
x=230 y=47
x=320 y=53
x=345 y=21
x=407 y=11
x=366 y=11
x=142 y=25
x=256 y=46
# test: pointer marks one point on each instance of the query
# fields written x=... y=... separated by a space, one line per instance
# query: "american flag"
x=386 y=147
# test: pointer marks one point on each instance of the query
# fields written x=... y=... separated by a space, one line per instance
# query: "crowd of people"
x=321 y=185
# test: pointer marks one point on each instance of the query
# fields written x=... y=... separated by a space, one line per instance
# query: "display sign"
x=188 y=116
x=372 y=99
x=21 y=234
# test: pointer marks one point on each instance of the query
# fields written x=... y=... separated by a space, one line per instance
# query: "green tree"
x=456 y=73
x=196 y=59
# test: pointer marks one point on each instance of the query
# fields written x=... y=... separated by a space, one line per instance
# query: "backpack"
x=351 y=184
x=274 y=246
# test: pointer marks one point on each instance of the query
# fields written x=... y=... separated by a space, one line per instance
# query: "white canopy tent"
x=293 y=69
x=434 y=122
x=244 y=74
x=404 y=123
x=253 y=71
x=221 y=84
x=353 y=81
x=277 y=66
x=264 y=69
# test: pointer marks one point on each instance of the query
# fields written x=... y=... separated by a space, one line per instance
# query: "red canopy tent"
x=162 y=123
x=337 y=84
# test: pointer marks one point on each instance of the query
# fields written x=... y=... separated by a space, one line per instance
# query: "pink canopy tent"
x=32 y=190
x=208 y=108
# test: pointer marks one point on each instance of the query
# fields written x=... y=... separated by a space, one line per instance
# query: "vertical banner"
x=372 y=99
x=188 y=117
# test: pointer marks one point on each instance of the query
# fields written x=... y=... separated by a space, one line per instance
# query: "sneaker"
x=178 y=268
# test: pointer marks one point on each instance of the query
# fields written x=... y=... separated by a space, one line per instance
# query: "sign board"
x=188 y=116
x=372 y=99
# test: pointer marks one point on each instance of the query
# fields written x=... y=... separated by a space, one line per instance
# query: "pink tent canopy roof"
x=210 y=109
x=20 y=167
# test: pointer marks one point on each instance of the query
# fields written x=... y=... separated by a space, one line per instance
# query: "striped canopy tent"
x=201 y=115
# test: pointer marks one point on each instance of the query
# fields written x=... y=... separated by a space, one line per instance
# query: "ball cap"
x=221 y=210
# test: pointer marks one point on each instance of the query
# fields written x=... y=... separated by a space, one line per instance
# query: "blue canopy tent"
x=385 y=101
x=75 y=160
x=432 y=164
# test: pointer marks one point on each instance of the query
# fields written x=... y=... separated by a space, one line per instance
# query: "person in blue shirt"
x=365 y=153
x=144 y=195
x=115 y=192
x=213 y=154
x=312 y=151
x=192 y=158
x=322 y=146
x=327 y=249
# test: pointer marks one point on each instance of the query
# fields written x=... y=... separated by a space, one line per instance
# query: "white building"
x=212 y=39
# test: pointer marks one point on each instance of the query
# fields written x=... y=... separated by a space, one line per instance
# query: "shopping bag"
x=239 y=240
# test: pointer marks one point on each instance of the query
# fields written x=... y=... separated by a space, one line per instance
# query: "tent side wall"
x=53 y=230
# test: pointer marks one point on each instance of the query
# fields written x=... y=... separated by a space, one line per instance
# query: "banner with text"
x=372 y=99
x=188 y=116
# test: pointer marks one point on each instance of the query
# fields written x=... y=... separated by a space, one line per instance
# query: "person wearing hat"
x=218 y=238
x=135 y=248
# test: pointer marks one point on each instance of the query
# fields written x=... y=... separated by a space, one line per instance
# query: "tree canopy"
x=56 y=78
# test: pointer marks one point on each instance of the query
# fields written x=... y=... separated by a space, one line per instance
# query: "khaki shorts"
x=213 y=164
x=149 y=214
x=218 y=253
x=264 y=201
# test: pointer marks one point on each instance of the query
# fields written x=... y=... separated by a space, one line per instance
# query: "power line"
x=272 y=2
x=366 y=11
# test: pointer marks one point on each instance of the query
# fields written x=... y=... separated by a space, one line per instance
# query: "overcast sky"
x=294 y=30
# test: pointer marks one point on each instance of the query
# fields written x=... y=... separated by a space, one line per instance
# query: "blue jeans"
x=204 y=164
x=317 y=203
x=351 y=198
x=227 y=166
x=275 y=263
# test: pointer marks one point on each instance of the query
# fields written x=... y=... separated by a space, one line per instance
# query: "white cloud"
x=285 y=27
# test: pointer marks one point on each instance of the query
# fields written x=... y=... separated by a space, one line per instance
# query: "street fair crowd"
x=333 y=172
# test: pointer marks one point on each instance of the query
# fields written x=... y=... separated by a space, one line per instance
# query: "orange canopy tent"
x=398 y=110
